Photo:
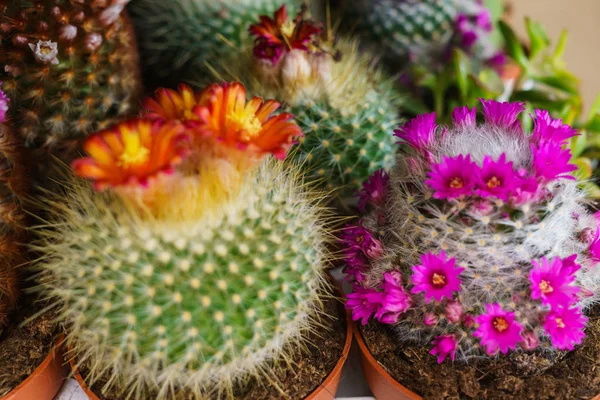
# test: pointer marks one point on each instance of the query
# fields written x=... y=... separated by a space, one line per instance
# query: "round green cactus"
x=179 y=38
x=70 y=68
x=193 y=306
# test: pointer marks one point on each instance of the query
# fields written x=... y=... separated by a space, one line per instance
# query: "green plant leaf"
x=462 y=68
x=513 y=46
x=578 y=144
x=538 y=38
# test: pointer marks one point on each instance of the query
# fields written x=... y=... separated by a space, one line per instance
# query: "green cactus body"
x=69 y=70
x=191 y=307
x=179 y=38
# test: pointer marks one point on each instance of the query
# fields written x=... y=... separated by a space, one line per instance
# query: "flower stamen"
x=500 y=324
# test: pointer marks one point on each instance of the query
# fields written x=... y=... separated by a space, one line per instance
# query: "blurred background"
x=580 y=18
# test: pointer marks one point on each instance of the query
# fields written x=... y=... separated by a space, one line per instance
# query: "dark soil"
x=522 y=376
x=308 y=371
x=23 y=349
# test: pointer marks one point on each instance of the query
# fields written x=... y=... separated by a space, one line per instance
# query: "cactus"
x=13 y=189
x=479 y=241
x=343 y=104
x=179 y=38
x=70 y=68
x=178 y=280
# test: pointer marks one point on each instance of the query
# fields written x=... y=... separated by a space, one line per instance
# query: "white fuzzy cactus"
x=479 y=241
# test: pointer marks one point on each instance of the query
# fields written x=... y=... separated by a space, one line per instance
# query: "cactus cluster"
x=13 y=189
x=179 y=280
x=479 y=241
x=345 y=106
x=69 y=67
x=181 y=38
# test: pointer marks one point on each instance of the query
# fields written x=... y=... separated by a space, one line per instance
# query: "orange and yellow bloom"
x=226 y=116
x=173 y=105
x=132 y=152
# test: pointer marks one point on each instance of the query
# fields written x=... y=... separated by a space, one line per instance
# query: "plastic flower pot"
x=326 y=391
x=46 y=380
x=380 y=382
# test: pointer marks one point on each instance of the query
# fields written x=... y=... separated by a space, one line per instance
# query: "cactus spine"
x=71 y=68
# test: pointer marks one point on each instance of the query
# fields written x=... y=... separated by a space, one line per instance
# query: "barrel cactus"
x=13 y=189
x=479 y=241
x=194 y=264
x=345 y=106
x=69 y=67
x=180 y=38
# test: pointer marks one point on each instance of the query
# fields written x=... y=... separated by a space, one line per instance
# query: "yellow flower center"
x=456 y=183
x=438 y=280
x=493 y=183
x=560 y=323
x=135 y=157
x=248 y=124
x=500 y=324
x=287 y=29
x=360 y=239
x=45 y=50
x=545 y=287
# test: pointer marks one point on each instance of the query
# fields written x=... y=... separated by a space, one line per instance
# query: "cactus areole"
x=479 y=241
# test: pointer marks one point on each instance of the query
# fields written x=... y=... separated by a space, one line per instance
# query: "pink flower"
x=464 y=116
x=551 y=161
x=374 y=190
x=356 y=264
x=453 y=177
x=547 y=129
x=497 y=178
x=530 y=341
x=394 y=300
x=430 y=319
x=498 y=329
x=594 y=248
x=481 y=207
x=551 y=284
x=454 y=311
x=504 y=115
x=497 y=61
x=4 y=100
x=437 y=277
x=565 y=327
x=419 y=132
x=444 y=346
x=361 y=304
x=569 y=266
x=357 y=240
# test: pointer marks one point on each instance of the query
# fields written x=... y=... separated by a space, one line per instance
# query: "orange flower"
x=132 y=152
x=225 y=116
x=170 y=105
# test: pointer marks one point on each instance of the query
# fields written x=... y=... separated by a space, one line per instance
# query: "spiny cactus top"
x=343 y=105
x=479 y=240
x=13 y=188
x=69 y=67
x=179 y=37
x=198 y=264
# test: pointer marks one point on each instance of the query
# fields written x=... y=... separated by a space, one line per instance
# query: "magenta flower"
x=530 y=341
x=453 y=177
x=437 y=277
x=502 y=114
x=444 y=346
x=551 y=161
x=497 y=178
x=551 y=284
x=547 y=129
x=565 y=327
x=419 y=132
x=374 y=190
x=498 y=330
x=393 y=300
x=358 y=239
x=4 y=100
x=356 y=264
x=454 y=311
x=464 y=116
x=497 y=61
x=569 y=266
x=430 y=319
x=361 y=304
x=594 y=248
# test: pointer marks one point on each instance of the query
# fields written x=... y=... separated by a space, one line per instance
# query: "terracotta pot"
x=46 y=380
x=381 y=383
x=326 y=391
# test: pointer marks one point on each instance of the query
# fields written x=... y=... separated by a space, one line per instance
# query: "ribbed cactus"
x=69 y=67
x=13 y=189
x=422 y=30
x=479 y=241
x=181 y=281
x=178 y=39
x=343 y=104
